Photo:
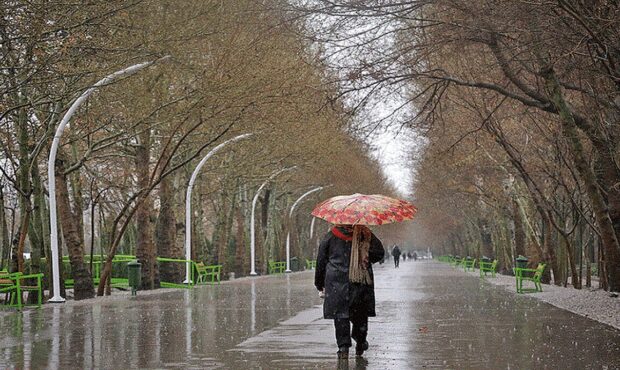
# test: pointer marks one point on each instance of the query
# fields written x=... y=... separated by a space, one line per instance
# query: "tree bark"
x=36 y=232
x=5 y=247
x=165 y=235
x=240 y=242
x=17 y=261
x=485 y=238
x=83 y=283
x=145 y=248
x=571 y=262
x=264 y=227
x=519 y=230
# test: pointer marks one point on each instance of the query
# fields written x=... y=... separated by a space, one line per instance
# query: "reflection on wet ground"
x=430 y=316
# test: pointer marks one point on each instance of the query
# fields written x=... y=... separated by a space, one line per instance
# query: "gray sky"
x=391 y=149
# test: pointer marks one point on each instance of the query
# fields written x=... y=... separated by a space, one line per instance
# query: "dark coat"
x=396 y=251
x=332 y=273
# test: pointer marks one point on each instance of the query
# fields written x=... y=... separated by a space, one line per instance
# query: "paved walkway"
x=430 y=316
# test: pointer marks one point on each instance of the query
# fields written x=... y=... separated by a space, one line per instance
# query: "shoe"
x=360 y=348
x=343 y=353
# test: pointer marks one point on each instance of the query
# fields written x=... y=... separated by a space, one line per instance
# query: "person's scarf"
x=360 y=245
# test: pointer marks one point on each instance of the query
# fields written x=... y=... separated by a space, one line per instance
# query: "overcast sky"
x=391 y=150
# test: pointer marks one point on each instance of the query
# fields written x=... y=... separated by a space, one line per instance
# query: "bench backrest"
x=213 y=269
x=210 y=269
x=9 y=278
x=539 y=270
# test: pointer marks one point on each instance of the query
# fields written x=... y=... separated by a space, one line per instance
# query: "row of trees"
x=518 y=103
x=222 y=68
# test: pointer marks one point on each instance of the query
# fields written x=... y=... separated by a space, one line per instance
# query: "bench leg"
x=40 y=295
x=19 y=299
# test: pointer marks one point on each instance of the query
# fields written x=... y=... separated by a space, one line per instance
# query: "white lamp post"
x=52 y=162
x=312 y=227
x=188 y=203
x=288 y=235
x=252 y=232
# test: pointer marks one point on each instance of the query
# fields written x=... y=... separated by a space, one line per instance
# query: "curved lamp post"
x=288 y=235
x=252 y=232
x=52 y=162
x=188 y=202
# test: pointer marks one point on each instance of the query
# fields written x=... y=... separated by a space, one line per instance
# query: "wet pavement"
x=429 y=316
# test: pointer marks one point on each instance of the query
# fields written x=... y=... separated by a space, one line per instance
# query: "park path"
x=429 y=316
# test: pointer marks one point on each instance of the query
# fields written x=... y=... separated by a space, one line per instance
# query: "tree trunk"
x=5 y=247
x=549 y=252
x=165 y=235
x=17 y=260
x=240 y=242
x=519 y=230
x=83 y=283
x=485 y=237
x=78 y=197
x=36 y=232
x=199 y=235
x=218 y=231
x=23 y=181
x=264 y=227
x=223 y=249
x=571 y=262
x=145 y=248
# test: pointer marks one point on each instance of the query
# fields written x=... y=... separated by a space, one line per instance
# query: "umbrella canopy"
x=360 y=209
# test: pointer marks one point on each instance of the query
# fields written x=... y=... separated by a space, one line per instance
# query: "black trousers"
x=359 y=319
x=396 y=261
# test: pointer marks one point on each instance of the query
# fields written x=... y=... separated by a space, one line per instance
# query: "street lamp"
x=312 y=227
x=288 y=235
x=51 y=163
x=188 y=202
x=252 y=232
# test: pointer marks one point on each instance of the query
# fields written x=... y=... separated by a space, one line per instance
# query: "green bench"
x=277 y=267
x=14 y=284
x=310 y=264
x=525 y=274
x=208 y=274
x=118 y=268
x=489 y=267
x=447 y=259
x=456 y=262
x=469 y=264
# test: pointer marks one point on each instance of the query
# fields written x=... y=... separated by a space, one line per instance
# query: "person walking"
x=396 y=255
x=345 y=279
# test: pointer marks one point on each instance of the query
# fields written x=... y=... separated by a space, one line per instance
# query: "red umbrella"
x=360 y=209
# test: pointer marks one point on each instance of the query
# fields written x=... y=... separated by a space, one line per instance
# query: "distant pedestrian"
x=344 y=275
x=396 y=255
x=415 y=256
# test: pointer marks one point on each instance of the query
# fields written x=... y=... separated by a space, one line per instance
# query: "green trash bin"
x=294 y=264
x=522 y=262
x=134 y=274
